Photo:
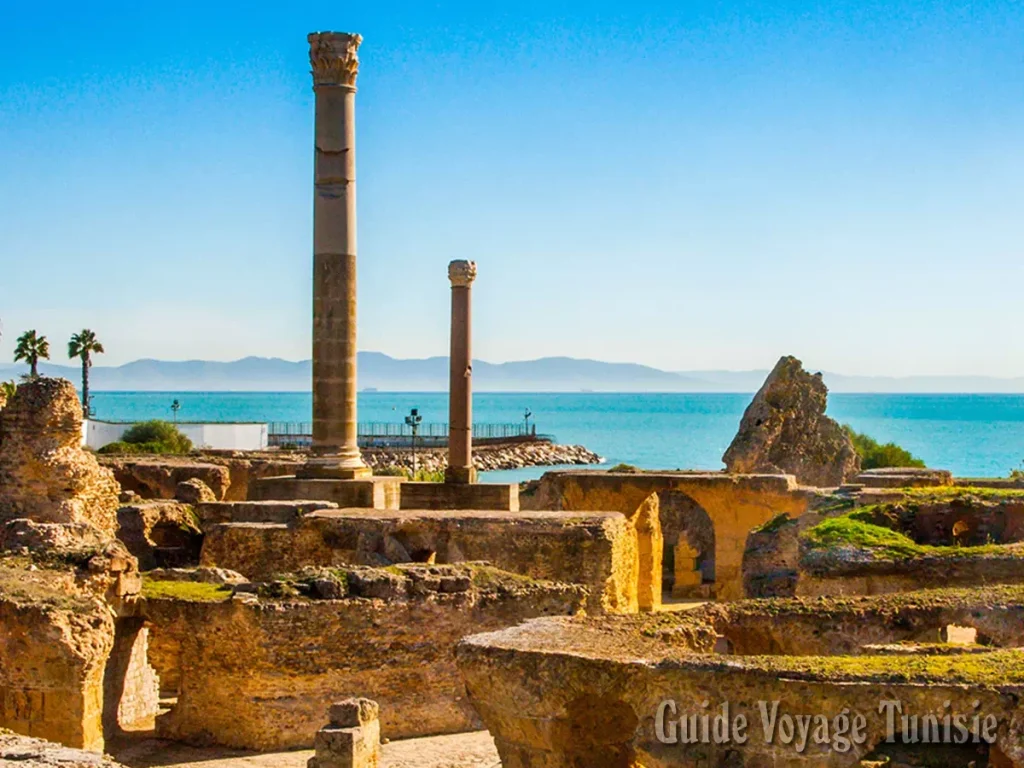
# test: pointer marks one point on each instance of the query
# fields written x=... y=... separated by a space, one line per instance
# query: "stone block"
x=371 y=492
x=353 y=712
x=458 y=495
x=338 y=747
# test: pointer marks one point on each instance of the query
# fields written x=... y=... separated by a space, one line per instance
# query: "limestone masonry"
x=278 y=600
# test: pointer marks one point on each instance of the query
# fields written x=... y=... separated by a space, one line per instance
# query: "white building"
x=241 y=436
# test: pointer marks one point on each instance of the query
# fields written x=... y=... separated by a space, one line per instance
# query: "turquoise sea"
x=972 y=435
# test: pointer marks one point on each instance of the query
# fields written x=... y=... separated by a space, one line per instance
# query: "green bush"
x=874 y=455
x=624 y=468
x=429 y=476
x=391 y=471
x=150 y=437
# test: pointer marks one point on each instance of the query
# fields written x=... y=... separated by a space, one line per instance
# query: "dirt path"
x=461 y=750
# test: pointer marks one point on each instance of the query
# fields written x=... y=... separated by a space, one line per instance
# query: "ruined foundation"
x=258 y=669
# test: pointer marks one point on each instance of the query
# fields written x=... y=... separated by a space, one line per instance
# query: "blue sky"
x=687 y=185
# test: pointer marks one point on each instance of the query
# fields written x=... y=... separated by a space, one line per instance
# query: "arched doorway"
x=688 y=564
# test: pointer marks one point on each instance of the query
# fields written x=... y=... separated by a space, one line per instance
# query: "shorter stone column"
x=687 y=575
x=460 y=376
x=351 y=739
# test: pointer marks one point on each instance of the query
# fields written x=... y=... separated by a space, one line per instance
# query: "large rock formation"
x=785 y=429
x=45 y=475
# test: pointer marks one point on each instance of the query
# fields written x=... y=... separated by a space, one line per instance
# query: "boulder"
x=194 y=491
x=45 y=474
x=785 y=430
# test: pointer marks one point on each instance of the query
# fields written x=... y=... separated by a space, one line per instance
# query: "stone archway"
x=131 y=688
x=689 y=534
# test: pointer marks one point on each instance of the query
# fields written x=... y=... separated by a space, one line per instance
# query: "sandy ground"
x=461 y=750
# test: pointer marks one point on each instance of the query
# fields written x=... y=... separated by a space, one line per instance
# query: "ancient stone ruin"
x=351 y=738
x=785 y=431
x=239 y=601
x=45 y=474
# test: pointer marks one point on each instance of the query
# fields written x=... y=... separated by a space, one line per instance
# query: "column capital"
x=334 y=58
x=461 y=273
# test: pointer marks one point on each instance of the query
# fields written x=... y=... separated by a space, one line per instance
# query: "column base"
x=460 y=475
x=334 y=468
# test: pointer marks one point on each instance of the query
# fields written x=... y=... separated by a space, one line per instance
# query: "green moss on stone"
x=188 y=591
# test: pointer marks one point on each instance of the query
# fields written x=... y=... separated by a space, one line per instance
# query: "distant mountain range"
x=549 y=374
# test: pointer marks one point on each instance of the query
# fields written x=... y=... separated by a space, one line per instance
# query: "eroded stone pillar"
x=460 y=376
x=335 y=64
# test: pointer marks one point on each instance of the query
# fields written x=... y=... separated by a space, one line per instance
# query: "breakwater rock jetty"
x=486 y=458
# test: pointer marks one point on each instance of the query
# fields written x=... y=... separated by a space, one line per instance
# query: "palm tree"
x=84 y=345
x=32 y=348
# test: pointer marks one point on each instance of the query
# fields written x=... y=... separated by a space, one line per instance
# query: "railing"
x=392 y=434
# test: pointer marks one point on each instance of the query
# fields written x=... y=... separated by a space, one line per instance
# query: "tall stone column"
x=335 y=64
x=460 y=376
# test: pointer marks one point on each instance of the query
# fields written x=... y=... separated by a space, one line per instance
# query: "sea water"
x=972 y=435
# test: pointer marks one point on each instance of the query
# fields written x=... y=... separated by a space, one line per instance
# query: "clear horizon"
x=698 y=188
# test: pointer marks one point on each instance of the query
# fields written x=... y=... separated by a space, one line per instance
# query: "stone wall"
x=53 y=648
x=913 y=540
x=45 y=475
x=131 y=688
x=157 y=477
x=260 y=673
x=587 y=692
x=735 y=504
x=160 y=534
x=598 y=550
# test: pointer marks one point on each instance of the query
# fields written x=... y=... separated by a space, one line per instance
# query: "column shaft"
x=335 y=421
x=460 y=376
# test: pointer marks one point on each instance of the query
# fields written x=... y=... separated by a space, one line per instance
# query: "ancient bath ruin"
x=599 y=619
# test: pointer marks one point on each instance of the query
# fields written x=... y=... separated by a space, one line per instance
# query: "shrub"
x=874 y=455
x=429 y=476
x=624 y=468
x=150 y=437
x=392 y=470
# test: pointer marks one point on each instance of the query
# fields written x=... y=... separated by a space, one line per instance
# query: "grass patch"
x=924 y=495
x=189 y=591
x=998 y=668
x=854 y=530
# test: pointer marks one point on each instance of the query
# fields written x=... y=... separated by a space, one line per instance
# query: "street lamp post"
x=413 y=422
x=526 y=418
x=175 y=407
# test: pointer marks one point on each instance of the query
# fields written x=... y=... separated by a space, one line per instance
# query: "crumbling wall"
x=53 y=648
x=227 y=474
x=598 y=550
x=161 y=534
x=914 y=540
x=45 y=475
x=563 y=692
x=131 y=688
x=736 y=504
x=259 y=673
x=157 y=477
